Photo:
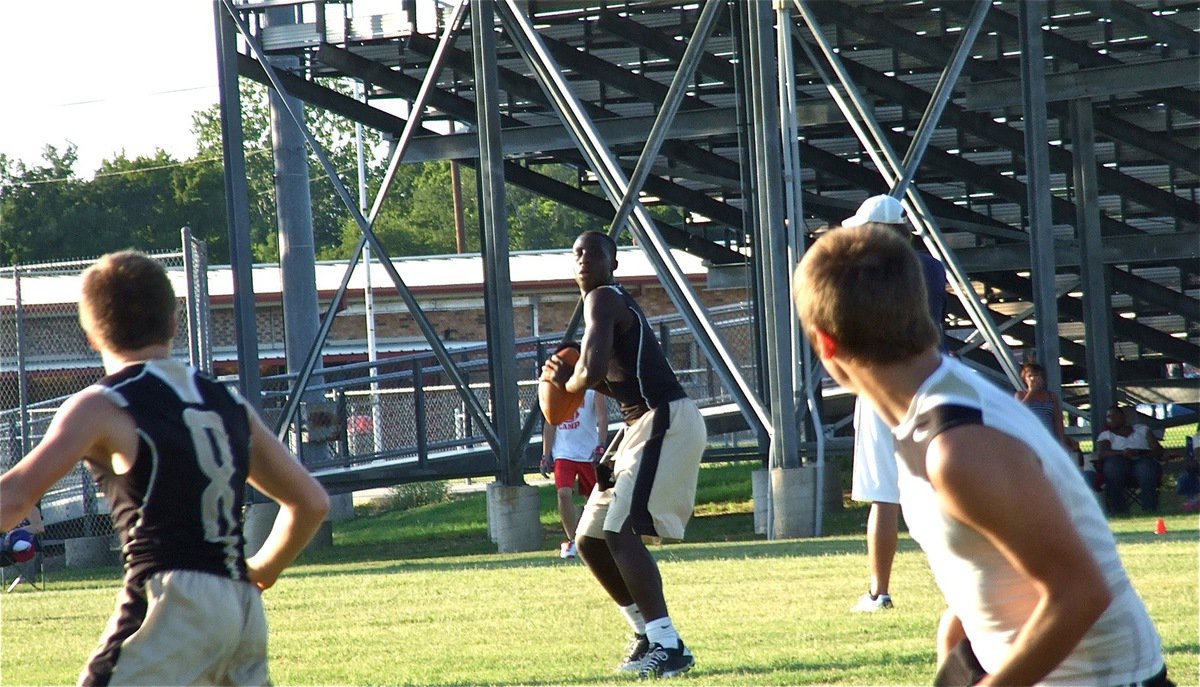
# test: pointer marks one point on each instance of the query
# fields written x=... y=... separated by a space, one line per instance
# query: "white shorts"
x=875 y=472
x=190 y=628
x=654 y=475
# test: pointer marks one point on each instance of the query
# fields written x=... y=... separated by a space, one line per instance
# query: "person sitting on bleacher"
x=1188 y=485
x=1128 y=454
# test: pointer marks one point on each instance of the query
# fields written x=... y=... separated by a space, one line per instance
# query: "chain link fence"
x=402 y=408
x=45 y=357
x=408 y=407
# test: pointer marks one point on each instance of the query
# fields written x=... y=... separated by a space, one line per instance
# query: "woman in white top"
x=1128 y=452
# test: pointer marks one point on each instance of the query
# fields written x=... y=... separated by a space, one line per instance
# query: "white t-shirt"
x=874 y=476
x=1138 y=440
x=577 y=438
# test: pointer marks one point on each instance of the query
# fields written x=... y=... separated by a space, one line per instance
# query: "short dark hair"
x=865 y=287
x=605 y=239
x=128 y=302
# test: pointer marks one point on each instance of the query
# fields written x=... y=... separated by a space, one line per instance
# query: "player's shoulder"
x=92 y=399
x=967 y=454
x=605 y=302
x=605 y=294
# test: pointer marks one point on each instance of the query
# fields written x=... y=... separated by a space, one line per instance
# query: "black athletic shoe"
x=635 y=653
x=663 y=662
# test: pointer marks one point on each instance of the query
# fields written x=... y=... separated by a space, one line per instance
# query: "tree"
x=336 y=136
x=418 y=216
x=538 y=222
x=46 y=212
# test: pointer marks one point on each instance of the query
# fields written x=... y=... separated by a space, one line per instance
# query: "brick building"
x=57 y=359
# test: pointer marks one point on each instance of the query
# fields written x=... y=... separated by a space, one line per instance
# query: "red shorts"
x=566 y=472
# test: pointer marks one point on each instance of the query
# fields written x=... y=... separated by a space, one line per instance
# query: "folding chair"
x=22 y=552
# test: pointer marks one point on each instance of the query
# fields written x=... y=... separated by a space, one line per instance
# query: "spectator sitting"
x=1126 y=451
x=1188 y=486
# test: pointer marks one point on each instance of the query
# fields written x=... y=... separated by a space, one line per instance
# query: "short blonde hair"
x=865 y=287
x=128 y=302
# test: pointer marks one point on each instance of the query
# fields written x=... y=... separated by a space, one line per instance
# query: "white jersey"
x=874 y=473
x=577 y=438
x=991 y=598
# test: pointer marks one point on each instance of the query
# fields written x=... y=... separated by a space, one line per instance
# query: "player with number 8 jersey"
x=194 y=450
x=173 y=451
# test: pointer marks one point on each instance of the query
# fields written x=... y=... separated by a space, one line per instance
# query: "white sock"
x=634 y=617
x=662 y=631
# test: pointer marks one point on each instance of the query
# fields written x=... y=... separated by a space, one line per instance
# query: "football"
x=558 y=405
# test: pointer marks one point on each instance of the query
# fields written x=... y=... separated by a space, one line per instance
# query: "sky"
x=107 y=76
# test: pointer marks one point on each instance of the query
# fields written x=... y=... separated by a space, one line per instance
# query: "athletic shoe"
x=663 y=662
x=567 y=550
x=869 y=604
x=635 y=653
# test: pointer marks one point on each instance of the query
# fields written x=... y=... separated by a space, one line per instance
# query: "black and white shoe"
x=635 y=653
x=663 y=662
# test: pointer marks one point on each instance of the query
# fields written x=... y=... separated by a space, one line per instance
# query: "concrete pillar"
x=793 y=494
x=758 y=489
x=323 y=538
x=799 y=487
x=260 y=517
x=341 y=507
x=513 y=517
x=91 y=552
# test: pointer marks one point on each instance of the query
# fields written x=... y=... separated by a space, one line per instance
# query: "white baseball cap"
x=883 y=209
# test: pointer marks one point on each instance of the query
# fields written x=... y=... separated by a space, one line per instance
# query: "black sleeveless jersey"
x=179 y=507
x=639 y=376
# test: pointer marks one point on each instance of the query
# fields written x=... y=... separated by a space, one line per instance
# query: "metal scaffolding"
x=708 y=108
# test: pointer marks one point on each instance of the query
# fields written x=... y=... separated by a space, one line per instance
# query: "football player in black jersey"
x=173 y=449
x=649 y=486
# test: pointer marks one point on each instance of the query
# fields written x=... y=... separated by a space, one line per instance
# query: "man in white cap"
x=875 y=477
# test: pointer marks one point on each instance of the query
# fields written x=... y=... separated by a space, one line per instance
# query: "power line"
x=127 y=172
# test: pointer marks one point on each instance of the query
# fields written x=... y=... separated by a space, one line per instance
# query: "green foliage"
x=49 y=212
x=407 y=496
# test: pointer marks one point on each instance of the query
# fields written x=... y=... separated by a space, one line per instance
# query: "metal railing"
x=422 y=417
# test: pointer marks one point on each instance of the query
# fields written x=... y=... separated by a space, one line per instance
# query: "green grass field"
x=417 y=597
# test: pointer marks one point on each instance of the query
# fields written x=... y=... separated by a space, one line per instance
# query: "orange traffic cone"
x=1160 y=527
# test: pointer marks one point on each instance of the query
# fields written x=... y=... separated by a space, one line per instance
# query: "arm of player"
x=302 y=500
x=602 y=419
x=600 y=309
x=549 y=430
x=950 y=633
x=78 y=430
x=981 y=476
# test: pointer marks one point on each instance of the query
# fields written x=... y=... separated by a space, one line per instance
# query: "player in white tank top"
x=991 y=597
x=1035 y=588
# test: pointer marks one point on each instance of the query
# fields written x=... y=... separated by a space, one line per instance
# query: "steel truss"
x=760 y=147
